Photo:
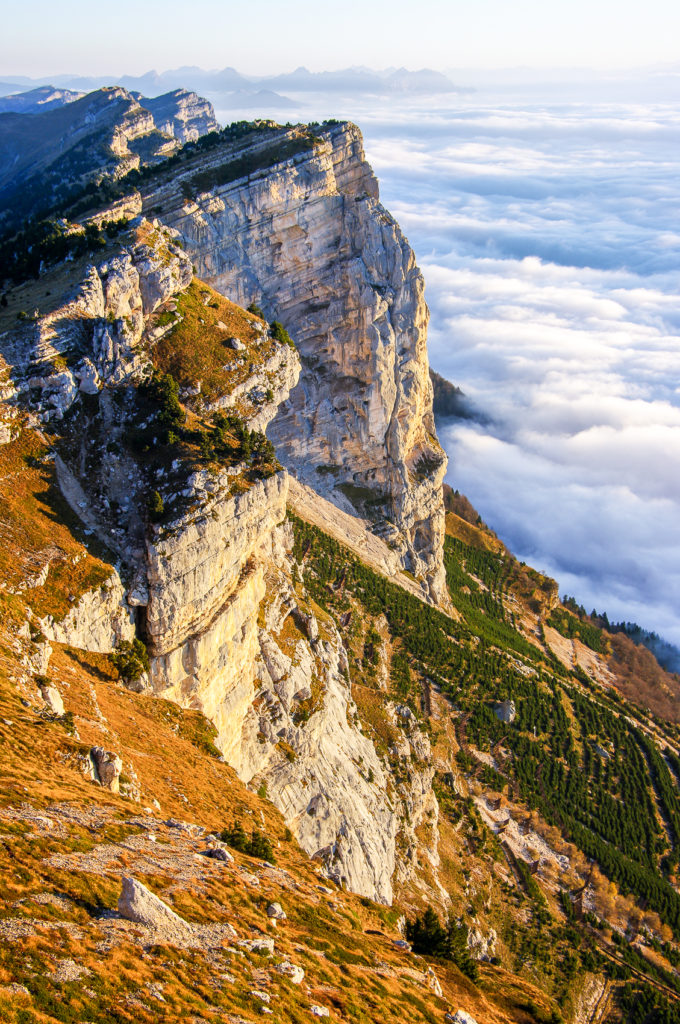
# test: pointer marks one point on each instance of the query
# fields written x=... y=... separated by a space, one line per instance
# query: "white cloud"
x=548 y=243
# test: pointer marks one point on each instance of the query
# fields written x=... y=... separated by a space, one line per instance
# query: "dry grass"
x=37 y=527
x=344 y=943
x=196 y=349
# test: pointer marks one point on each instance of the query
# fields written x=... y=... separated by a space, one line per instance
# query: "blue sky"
x=265 y=36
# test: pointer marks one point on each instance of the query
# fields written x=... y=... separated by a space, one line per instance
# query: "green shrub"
x=156 y=507
x=279 y=333
x=255 y=845
x=429 y=938
x=131 y=659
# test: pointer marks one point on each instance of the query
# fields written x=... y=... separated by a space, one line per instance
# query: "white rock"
x=276 y=912
x=108 y=767
x=460 y=1017
x=219 y=853
x=262 y=945
x=433 y=983
x=137 y=903
x=291 y=971
x=52 y=698
x=87 y=374
x=319 y=1011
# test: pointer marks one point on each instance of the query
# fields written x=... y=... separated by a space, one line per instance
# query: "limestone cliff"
x=182 y=114
x=308 y=239
x=192 y=507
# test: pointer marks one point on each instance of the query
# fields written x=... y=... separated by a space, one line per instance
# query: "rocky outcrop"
x=107 y=768
x=52 y=698
x=45 y=152
x=94 y=337
x=309 y=240
x=37 y=100
x=98 y=622
x=182 y=114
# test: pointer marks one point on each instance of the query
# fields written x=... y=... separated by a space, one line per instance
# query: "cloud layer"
x=550 y=245
x=548 y=230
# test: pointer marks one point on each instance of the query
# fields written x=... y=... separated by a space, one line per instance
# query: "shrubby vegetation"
x=255 y=845
x=49 y=241
x=449 y=942
x=279 y=333
x=242 y=166
x=131 y=658
x=158 y=432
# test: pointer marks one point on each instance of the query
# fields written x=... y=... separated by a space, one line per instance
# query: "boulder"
x=460 y=1017
x=291 y=971
x=137 y=903
x=52 y=697
x=505 y=711
x=262 y=945
x=276 y=911
x=219 y=853
x=108 y=767
x=319 y=1011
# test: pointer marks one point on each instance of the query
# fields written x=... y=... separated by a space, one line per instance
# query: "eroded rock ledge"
x=310 y=242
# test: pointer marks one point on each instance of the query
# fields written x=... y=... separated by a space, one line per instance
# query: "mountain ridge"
x=175 y=604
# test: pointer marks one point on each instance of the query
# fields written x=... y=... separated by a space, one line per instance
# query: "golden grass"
x=196 y=350
x=37 y=527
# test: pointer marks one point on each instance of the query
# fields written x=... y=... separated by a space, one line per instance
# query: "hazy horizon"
x=42 y=38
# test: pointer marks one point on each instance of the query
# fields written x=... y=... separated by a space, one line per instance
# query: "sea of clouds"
x=548 y=232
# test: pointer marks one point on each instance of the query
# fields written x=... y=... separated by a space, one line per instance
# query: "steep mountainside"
x=45 y=155
x=308 y=240
x=451 y=808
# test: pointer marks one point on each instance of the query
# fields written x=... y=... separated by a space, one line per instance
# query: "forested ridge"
x=590 y=762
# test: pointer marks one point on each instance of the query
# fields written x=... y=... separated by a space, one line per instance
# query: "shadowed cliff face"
x=309 y=241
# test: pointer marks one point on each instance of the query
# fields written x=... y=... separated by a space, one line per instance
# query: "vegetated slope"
x=598 y=775
x=68 y=955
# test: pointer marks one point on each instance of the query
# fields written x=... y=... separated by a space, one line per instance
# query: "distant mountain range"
x=248 y=90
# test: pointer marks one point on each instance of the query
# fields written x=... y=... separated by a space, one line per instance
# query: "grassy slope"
x=37 y=527
x=50 y=879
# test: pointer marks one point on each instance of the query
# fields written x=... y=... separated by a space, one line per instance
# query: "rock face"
x=302 y=736
x=205 y=586
x=98 y=622
x=182 y=114
x=310 y=242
